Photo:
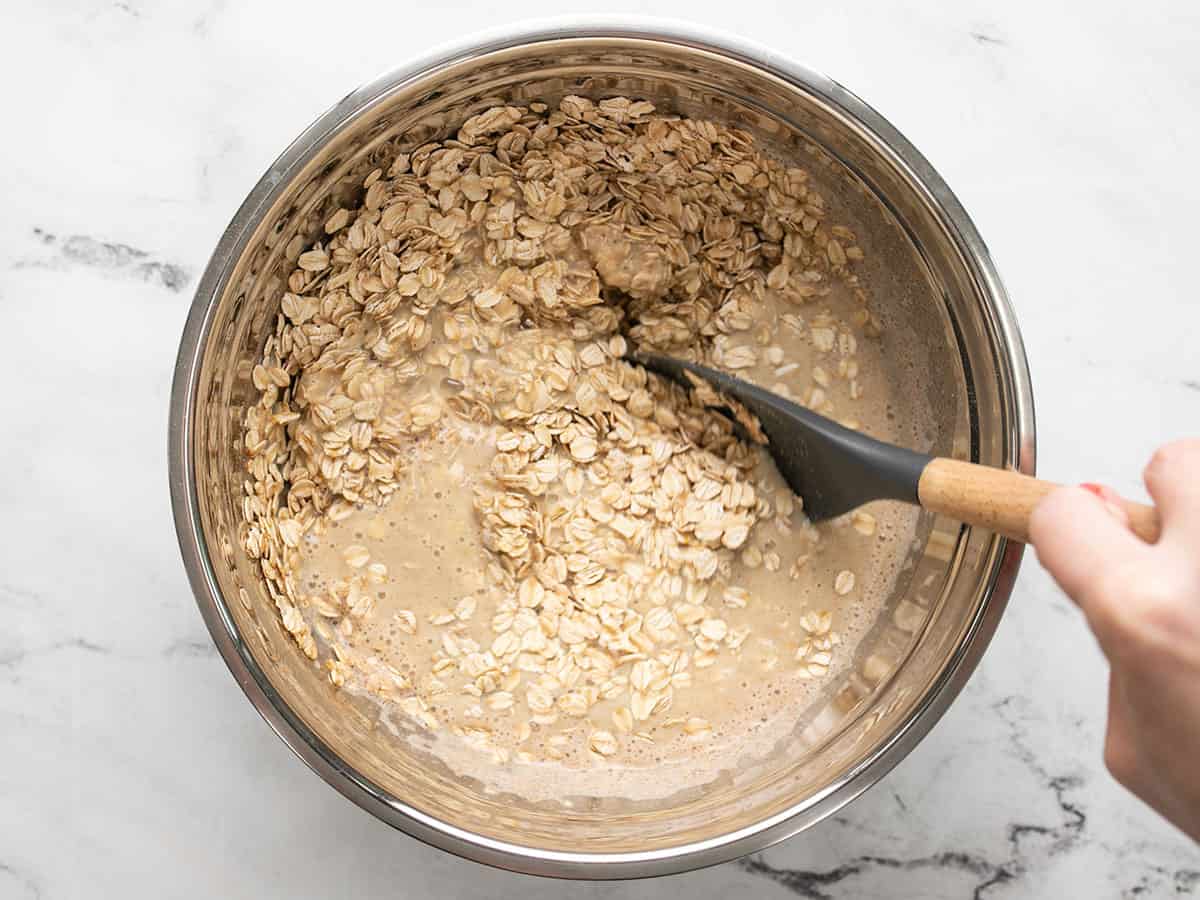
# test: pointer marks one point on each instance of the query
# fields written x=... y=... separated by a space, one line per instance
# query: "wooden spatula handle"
x=1002 y=501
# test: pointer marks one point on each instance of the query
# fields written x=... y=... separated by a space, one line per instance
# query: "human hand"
x=1142 y=601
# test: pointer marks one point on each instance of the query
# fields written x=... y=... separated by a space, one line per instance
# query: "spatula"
x=835 y=469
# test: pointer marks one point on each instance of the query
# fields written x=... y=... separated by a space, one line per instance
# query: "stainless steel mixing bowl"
x=949 y=329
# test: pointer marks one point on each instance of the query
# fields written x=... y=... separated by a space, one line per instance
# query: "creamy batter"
x=569 y=575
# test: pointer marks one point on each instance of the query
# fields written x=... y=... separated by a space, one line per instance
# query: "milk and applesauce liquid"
x=418 y=591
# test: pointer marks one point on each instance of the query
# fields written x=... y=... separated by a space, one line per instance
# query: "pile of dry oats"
x=494 y=280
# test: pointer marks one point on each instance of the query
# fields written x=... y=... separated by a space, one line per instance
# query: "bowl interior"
x=946 y=357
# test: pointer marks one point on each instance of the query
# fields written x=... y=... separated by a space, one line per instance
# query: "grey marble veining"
x=130 y=763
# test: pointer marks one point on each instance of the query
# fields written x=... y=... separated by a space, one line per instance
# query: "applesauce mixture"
x=470 y=507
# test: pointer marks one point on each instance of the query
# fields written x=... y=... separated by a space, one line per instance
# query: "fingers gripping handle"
x=1002 y=501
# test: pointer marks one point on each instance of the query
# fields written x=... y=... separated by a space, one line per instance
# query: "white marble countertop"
x=130 y=763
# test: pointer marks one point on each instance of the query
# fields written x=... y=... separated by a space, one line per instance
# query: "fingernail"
x=1109 y=498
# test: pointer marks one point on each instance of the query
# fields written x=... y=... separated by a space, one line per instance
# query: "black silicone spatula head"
x=833 y=469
